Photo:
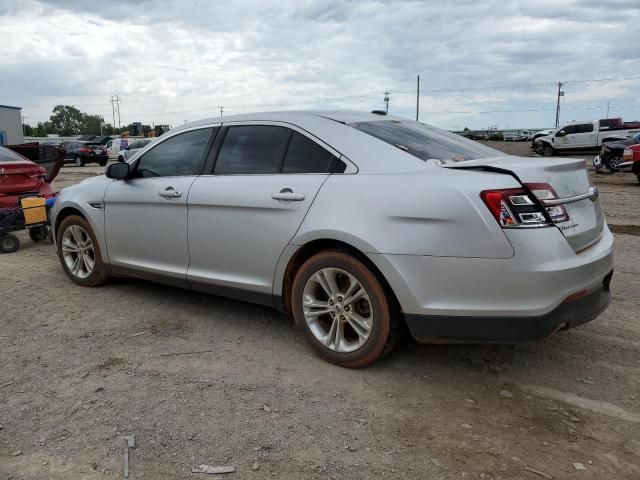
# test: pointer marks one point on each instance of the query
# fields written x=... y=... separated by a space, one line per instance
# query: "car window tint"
x=568 y=130
x=584 y=128
x=306 y=156
x=425 y=142
x=252 y=149
x=179 y=155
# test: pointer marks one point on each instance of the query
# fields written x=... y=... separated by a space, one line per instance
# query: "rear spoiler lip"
x=504 y=171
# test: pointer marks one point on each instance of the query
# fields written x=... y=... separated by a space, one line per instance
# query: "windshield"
x=426 y=142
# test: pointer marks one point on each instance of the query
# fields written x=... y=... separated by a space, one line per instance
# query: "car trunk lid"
x=569 y=179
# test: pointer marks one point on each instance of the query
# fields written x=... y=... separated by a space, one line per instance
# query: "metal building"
x=10 y=125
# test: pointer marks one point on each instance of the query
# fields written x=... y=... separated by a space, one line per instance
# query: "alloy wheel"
x=338 y=310
x=78 y=252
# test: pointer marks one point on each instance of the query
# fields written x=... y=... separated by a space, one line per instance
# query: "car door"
x=146 y=215
x=565 y=137
x=584 y=137
x=243 y=214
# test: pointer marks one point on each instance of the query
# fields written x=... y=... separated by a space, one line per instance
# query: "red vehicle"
x=632 y=154
x=20 y=176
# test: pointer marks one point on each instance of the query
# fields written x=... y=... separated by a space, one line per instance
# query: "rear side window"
x=306 y=156
x=252 y=149
x=182 y=154
x=426 y=142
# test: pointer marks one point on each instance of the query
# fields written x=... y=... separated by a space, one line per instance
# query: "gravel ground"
x=205 y=380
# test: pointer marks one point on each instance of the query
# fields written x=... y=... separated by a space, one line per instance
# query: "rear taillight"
x=85 y=150
x=515 y=208
x=544 y=191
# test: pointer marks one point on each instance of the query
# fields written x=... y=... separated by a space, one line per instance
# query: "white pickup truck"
x=586 y=136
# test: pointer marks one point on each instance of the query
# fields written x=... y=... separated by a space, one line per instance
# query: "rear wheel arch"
x=322 y=245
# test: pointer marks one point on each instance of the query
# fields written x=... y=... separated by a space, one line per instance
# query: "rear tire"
x=79 y=252
x=9 y=243
x=120 y=158
x=347 y=333
x=103 y=163
x=38 y=234
x=79 y=161
x=548 y=151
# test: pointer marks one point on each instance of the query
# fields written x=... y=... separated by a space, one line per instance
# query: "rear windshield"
x=7 y=155
x=426 y=142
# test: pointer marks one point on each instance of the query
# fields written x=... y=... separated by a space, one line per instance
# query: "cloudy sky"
x=482 y=62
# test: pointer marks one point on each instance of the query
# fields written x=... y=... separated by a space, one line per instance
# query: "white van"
x=115 y=145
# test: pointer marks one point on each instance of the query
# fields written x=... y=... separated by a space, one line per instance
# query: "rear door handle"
x=170 y=192
x=287 y=195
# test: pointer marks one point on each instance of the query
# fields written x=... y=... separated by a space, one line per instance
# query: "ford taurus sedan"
x=359 y=225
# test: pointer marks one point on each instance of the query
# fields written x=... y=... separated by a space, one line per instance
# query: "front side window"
x=566 y=130
x=252 y=149
x=426 y=142
x=182 y=154
x=584 y=128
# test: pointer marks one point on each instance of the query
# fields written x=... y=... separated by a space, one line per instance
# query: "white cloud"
x=170 y=61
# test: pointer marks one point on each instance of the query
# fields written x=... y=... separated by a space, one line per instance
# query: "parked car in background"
x=133 y=148
x=20 y=176
x=115 y=145
x=81 y=153
x=357 y=224
x=585 y=136
x=612 y=152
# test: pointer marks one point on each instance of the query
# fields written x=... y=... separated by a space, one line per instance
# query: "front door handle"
x=170 y=192
x=287 y=195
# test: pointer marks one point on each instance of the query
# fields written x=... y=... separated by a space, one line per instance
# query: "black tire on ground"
x=120 y=158
x=385 y=327
x=100 y=273
x=103 y=163
x=78 y=161
x=39 y=233
x=548 y=150
x=9 y=243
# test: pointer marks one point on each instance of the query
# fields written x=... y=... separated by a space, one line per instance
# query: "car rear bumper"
x=569 y=314
x=484 y=296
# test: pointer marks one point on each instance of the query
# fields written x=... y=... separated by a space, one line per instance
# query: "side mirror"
x=118 y=171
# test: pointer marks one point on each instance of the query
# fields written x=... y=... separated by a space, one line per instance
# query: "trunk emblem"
x=593 y=193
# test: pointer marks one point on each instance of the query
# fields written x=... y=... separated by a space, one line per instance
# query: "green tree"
x=40 y=130
x=66 y=120
x=91 y=124
x=27 y=129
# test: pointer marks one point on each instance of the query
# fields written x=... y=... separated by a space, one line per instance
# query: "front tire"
x=79 y=252
x=79 y=162
x=548 y=150
x=341 y=309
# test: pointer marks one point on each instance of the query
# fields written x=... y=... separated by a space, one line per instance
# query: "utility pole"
x=221 y=110
x=418 y=100
x=115 y=109
x=608 y=105
x=560 y=94
x=23 y=122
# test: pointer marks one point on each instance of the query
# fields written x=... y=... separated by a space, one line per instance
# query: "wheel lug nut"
x=333 y=314
x=347 y=308
x=342 y=317
x=339 y=298
x=330 y=302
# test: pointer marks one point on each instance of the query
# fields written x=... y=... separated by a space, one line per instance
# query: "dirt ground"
x=205 y=380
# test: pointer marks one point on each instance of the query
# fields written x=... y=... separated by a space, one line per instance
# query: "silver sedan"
x=359 y=225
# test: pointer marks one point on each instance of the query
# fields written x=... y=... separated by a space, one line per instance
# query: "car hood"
x=618 y=144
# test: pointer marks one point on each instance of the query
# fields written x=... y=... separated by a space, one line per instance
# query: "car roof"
x=294 y=116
